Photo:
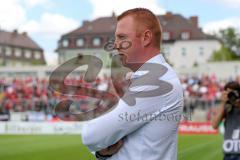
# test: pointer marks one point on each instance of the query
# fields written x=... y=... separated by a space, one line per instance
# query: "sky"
x=46 y=20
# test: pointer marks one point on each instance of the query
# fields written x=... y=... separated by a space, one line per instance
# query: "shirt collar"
x=156 y=59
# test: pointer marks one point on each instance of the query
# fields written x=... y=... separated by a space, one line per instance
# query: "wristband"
x=102 y=157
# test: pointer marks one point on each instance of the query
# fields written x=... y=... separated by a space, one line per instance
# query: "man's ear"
x=147 y=38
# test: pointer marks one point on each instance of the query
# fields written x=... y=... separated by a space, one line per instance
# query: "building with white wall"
x=191 y=53
x=18 y=49
x=183 y=42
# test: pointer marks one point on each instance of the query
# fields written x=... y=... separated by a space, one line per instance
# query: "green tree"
x=230 y=49
x=224 y=54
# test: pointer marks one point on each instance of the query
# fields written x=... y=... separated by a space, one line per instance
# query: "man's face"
x=127 y=31
x=237 y=102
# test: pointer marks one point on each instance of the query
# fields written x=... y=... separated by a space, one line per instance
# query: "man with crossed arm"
x=114 y=138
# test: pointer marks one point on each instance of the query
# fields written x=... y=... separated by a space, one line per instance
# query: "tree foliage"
x=230 y=49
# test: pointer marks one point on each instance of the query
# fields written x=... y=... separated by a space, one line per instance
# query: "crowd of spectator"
x=203 y=91
x=33 y=96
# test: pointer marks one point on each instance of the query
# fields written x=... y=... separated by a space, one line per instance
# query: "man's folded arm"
x=108 y=129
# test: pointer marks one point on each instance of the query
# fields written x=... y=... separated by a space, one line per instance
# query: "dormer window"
x=80 y=42
x=164 y=23
x=113 y=27
x=96 y=41
x=65 y=43
x=185 y=35
x=90 y=28
x=166 y=36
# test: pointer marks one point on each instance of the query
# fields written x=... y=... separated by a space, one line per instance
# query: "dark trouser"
x=232 y=157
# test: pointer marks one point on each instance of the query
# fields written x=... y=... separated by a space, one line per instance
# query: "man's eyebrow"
x=120 y=35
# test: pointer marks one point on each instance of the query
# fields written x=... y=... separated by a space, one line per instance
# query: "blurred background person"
x=229 y=113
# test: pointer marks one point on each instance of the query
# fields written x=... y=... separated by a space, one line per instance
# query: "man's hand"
x=224 y=97
x=219 y=114
x=237 y=103
x=111 y=149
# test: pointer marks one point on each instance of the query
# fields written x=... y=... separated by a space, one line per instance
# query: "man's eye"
x=121 y=37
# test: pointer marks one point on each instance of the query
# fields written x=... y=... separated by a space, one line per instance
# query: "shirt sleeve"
x=107 y=129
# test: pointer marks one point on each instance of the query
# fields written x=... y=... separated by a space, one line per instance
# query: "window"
x=80 y=42
x=37 y=55
x=8 y=51
x=166 y=36
x=113 y=27
x=166 y=50
x=184 y=52
x=112 y=39
x=28 y=54
x=185 y=35
x=201 y=51
x=90 y=27
x=96 y=41
x=65 y=43
x=18 y=52
x=164 y=23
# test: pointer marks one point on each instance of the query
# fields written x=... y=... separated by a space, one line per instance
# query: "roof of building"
x=104 y=28
x=173 y=23
x=100 y=25
x=18 y=39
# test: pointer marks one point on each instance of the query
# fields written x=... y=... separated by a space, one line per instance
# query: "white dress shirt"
x=145 y=138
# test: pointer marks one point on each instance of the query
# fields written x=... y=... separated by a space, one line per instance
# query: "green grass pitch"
x=69 y=147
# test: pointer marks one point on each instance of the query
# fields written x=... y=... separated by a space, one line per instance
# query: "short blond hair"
x=144 y=17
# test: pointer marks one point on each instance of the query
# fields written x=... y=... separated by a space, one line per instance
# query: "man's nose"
x=116 y=45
